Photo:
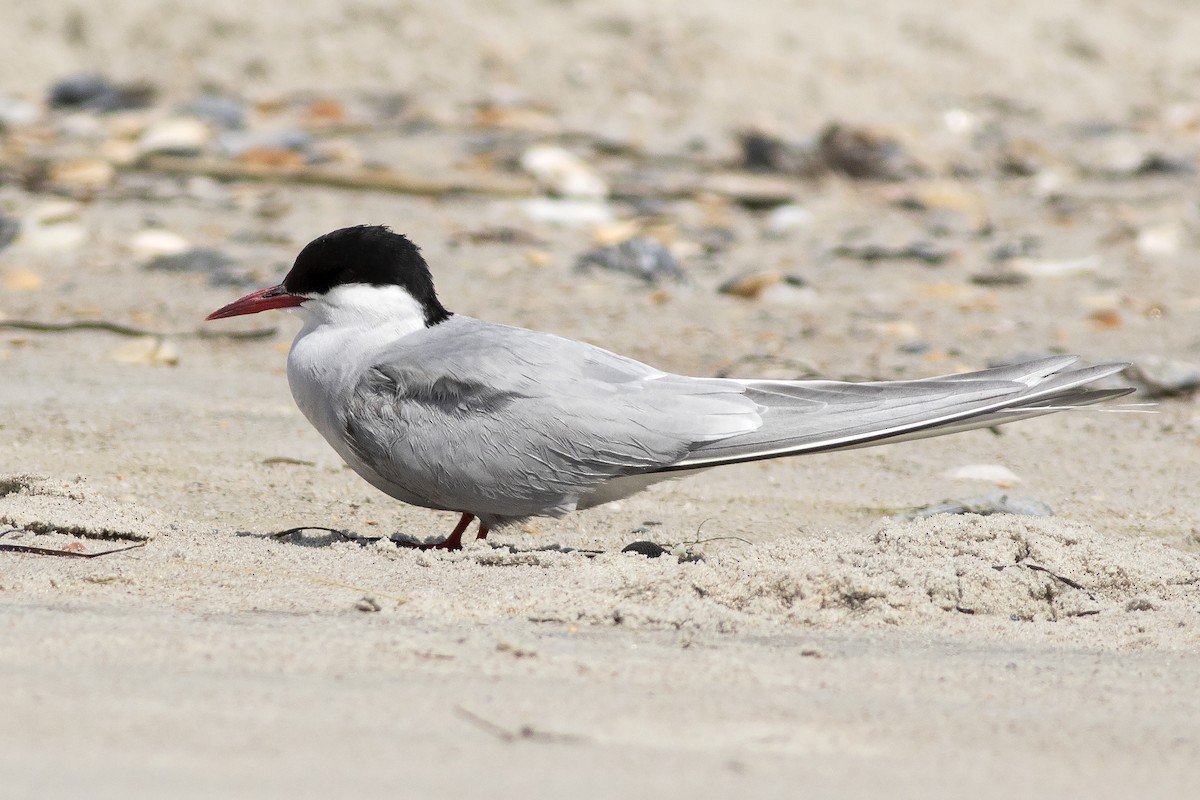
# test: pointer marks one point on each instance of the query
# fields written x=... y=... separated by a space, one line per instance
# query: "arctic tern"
x=501 y=423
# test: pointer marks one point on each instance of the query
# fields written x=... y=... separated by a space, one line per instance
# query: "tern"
x=500 y=423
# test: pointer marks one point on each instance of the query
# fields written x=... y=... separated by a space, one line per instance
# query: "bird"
x=500 y=424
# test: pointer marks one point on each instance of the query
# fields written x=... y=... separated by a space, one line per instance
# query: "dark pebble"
x=861 y=154
x=223 y=112
x=927 y=252
x=642 y=257
x=222 y=269
x=9 y=228
x=98 y=93
x=645 y=548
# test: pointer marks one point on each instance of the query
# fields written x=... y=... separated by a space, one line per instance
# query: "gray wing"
x=818 y=416
x=508 y=423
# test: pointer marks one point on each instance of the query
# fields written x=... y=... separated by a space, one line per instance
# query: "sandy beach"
x=800 y=636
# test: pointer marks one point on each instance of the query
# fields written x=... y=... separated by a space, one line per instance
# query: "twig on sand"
x=50 y=551
x=349 y=537
x=750 y=189
x=340 y=177
x=1061 y=579
x=129 y=330
x=525 y=732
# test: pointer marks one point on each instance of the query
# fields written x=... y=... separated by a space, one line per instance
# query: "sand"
x=797 y=638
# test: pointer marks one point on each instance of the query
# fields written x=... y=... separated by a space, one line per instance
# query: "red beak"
x=262 y=300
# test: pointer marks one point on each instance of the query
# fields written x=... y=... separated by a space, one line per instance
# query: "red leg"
x=454 y=540
x=484 y=530
x=451 y=542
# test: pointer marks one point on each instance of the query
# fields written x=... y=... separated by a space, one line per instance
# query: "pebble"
x=17 y=113
x=862 y=154
x=87 y=174
x=53 y=227
x=641 y=256
x=150 y=350
x=923 y=250
x=999 y=276
x=786 y=219
x=9 y=228
x=221 y=112
x=989 y=473
x=20 y=280
x=1160 y=240
x=567 y=212
x=155 y=242
x=948 y=196
x=222 y=269
x=750 y=285
x=236 y=144
x=95 y=92
x=984 y=505
x=755 y=192
x=1106 y=319
x=178 y=136
x=1040 y=268
x=763 y=152
x=1164 y=377
x=645 y=548
x=563 y=173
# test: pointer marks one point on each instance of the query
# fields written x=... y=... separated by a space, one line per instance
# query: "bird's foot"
x=454 y=540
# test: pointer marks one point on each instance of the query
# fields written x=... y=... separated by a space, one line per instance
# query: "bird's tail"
x=820 y=416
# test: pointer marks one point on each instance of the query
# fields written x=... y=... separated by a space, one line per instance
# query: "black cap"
x=366 y=254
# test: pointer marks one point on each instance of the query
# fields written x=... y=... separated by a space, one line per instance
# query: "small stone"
x=21 y=280
x=1055 y=269
x=17 y=113
x=221 y=112
x=999 y=276
x=236 y=144
x=10 y=227
x=1106 y=319
x=949 y=196
x=929 y=252
x=764 y=152
x=178 y=136
x=325 y=111
x=368 y=604
x=272 y=157
x=1159 y=240
x=149 y=350
x=567 y=212
x=786 y=219
x=642 y=257
x=645 y=548
x=750 y=285
x=53 y=227
x=97 y=93
x=155 y=242
x=1163 y=377
x=991 y=473
x=221 y=268
x=563 y=173
x=960 y=121
x=615 y=232
x=755 y=192
x=862 y=154
x=85 y=173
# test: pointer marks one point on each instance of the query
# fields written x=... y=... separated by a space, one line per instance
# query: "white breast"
x=342 y=331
